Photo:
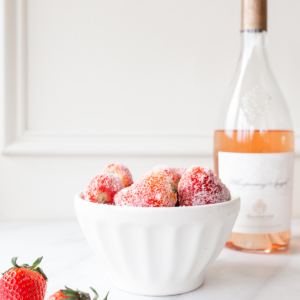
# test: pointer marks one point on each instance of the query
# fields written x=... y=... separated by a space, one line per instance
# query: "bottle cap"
x=254 y=15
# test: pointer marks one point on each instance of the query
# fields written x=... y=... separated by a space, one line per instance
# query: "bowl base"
x=170 y=289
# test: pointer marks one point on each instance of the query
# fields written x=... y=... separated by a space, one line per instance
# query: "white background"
x=134 y=68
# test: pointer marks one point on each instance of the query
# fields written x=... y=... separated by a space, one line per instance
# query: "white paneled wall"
x=89 y=82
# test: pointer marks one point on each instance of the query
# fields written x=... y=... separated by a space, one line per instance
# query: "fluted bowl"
x=157 y=251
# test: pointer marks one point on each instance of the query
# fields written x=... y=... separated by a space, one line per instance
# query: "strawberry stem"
x=96 y=294
x=14 y=262
x=26 y=266
x=106 y=296
x=174 y=187
x=37 y=262
x=78 y=295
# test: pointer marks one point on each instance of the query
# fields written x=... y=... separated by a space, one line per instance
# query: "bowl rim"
x=78 y=198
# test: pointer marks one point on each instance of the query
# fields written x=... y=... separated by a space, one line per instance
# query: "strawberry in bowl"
x=151 y=246
x=167 y=171
x=152 y=190
x=201 y=186
x=121 y=172
x=103 y=188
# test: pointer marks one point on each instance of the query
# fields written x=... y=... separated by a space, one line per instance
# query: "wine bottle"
x=254 y=143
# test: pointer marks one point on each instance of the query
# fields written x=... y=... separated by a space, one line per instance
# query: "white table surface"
x=69 y=260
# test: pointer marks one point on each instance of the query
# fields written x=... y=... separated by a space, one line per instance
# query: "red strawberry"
x=74 y=295
x=180 y=171
x=167 y=171
x=23 y=282
x=120 y=171
x=152 y=190
x=58 y=295
x=102 y=189
x=200 y=186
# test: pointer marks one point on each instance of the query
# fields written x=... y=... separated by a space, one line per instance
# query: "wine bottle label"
x=263 y=181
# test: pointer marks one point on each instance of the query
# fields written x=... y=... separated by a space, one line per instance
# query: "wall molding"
x=30 y=143
x=16 y=139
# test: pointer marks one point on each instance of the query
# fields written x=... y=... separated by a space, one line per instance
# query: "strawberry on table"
x=23 y=282
x=68 y=293
x=58 y=295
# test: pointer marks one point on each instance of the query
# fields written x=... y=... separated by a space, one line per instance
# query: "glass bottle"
x=254 y=143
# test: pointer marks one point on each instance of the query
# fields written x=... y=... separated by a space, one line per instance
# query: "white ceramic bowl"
x=157 y=251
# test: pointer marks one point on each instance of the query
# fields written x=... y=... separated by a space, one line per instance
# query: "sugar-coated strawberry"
x=23 y=282
x=180 y=171
x=102 y=189
x=200 y=186
x=120 y=171
x=169 y=172
x=68 y=293
x=152 y=190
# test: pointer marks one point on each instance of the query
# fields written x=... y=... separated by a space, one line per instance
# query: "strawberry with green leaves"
x=74 y=295
x=23 y=282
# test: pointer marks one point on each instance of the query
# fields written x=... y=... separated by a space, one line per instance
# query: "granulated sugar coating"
x=169 y=172
x=120 y=171
x=152 y=190
x=200 y=186
x=180 y=171
x=103 y=188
